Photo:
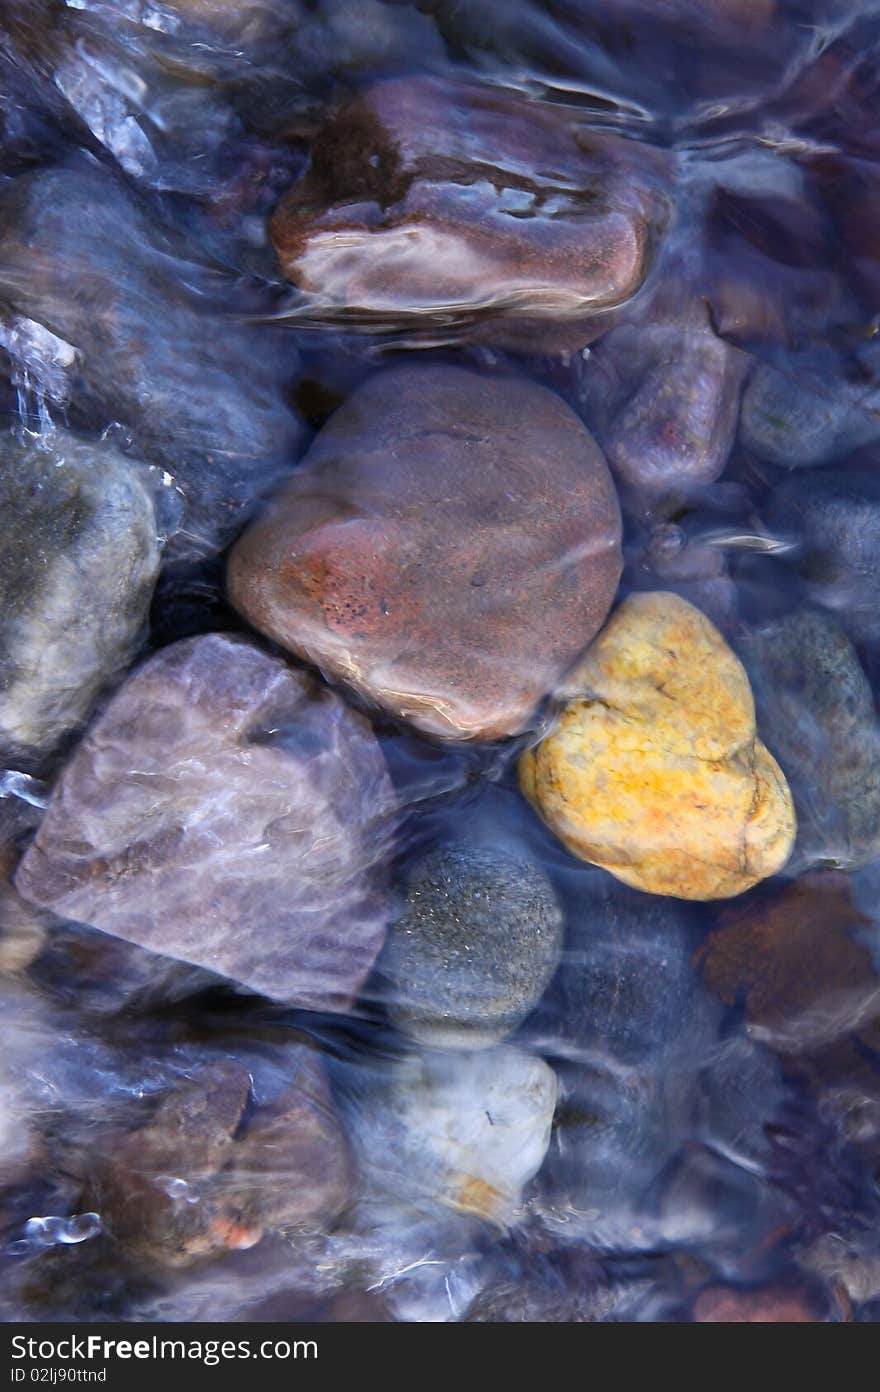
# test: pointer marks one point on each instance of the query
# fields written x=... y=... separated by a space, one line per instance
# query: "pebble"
x=477 y=940
x=448 y=547
x=816 y=709
x=433 y=201
x=225 y=811
x=459 y=1131
x=654 y=770
x=209 y=1169
x=79 y=557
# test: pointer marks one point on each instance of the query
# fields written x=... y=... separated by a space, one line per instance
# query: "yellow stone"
x=654 y=770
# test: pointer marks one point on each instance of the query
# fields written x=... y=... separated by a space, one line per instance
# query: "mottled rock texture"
x=816 y=708
x=663 y=399
x=226 y=811
x=476 y=942
x=428 y=199
x=654 y=770
x=210 y=1169
x=449 y=546
x=831 y=519
x=465 y=1131
x=79 y=556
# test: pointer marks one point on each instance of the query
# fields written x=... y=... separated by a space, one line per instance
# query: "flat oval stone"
x=476 y=943
x=225 y=811
x=449 y=546
x=79 y=557
x=426 y=197
x=655 y=771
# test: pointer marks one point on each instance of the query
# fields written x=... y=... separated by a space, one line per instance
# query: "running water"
x=439 y=758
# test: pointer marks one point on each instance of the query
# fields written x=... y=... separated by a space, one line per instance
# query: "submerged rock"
x=465 y=1131
x=477 y=940
x=760 y=1305
x=816 y=709
x=449 y=546
x=832 y=519
x=144 y=337
x=225 y=811
x=210 y=1169
x=803 y=417
x=654 y=770
x=796 y=962
x=79 y=556
x=663 y=399
x=428 y=199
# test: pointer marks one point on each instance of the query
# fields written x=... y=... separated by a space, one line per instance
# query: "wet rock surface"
x=654 y=769
x=465 y=1131
x=438 y=198
x=80 y=557
x=830 y=518
x=210 y=1170
x=448 y=547
x=183 y=825
x=816 y=709
x=474 y=946
x=363 y=314
x=663 y=398
x=83 y=264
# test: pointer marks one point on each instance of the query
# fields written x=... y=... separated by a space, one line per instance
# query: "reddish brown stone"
x=202 y=1173
x=433 y=198
x=449 y=546
x=769 y=1305
x=795 y=962
x=799 y=964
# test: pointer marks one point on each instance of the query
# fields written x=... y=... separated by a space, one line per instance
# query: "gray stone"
x=802 y=418
x=79 y=556
x=830 y=519
x=477 y=941
x=817 y=715
x=145 y=337
x=226 y=811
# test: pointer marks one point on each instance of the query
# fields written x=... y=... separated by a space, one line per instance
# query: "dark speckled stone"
x=474 y=948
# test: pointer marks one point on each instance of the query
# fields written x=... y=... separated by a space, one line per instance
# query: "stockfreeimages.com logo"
x=210 y=1352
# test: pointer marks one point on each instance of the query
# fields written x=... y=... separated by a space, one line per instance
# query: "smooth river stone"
x=465 y=1131
x=654 y=770
x=803 y=416
x=142 y=336
x=477 y=940
x=210 y=1169
x=438 y=202
x=448 y=548
x=79 y=556
x=663 y=399
x=831 y=519
x=816 y=708
x=225 y=811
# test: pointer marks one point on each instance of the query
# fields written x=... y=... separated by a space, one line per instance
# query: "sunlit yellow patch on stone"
x=654 y=770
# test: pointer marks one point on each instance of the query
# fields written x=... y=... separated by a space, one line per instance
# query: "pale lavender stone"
x=228 y=811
